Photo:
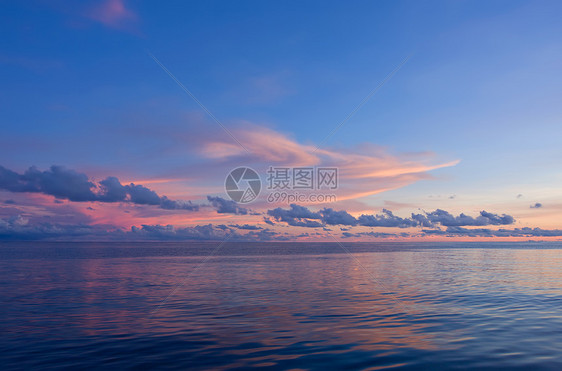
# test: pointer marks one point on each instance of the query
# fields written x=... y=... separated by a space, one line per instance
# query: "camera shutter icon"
x=243 y=185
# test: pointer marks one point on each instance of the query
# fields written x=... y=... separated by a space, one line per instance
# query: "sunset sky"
x=446 y=119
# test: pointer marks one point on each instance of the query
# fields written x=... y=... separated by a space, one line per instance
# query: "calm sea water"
x=280 y=306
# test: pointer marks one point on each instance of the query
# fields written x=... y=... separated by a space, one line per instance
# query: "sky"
x=121 y=120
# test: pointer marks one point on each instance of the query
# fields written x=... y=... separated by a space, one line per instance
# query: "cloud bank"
x=301 y=216
x=19 y=228
x=70 y=185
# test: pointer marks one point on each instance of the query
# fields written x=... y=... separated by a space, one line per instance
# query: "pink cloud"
x=264 y=144
x=113 y=13
x=372 y=171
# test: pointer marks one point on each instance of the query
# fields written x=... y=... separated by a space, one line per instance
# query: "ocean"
x=318 y=306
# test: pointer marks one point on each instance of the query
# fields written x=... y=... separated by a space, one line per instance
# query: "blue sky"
x=482 y=86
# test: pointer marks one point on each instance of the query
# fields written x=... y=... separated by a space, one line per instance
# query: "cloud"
x=442 y=217
x=265 y=235
x=387 y=219
x=246 y=227
x=167 y=204
x=141 y=195
x=18 y=227
x=295 y=212
x=226 y=206
x=301 y=216
x=297 y=216
x=264 y=144
x=422 y=220
x=113 y=13
x=112 y=190
x=222 y=226
x=537 y=205
x=70 y=185
x=485 y=232
x=332 y=217
x=371 y=172
x=369 y=234
x=494 y=219
x=268 y=221
x=169 y=232
x=57 y=181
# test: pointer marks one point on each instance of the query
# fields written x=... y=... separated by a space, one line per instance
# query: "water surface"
x=280 y=305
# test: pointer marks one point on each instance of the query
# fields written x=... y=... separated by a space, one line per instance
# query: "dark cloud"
x=10 y=202
x=369 y=234
x=537 y=205
x=112 y=190
x=386 y=219
x=201 y=232
x=297 y=216
x=265 y=235
x=301 y=223
x=167 y=204
x=169 y=232
x=246 y=227
x=226 y=206
x=444 y=218
x=295 y=212
x=332 y=217
x=300 y=216
x=495 y=219
x=268 y=221
x=422 y=221
x=485 y=232
x=222 y=226
x=70 y=185
x=141 y=195
x=19 y=228
x=57 y=181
